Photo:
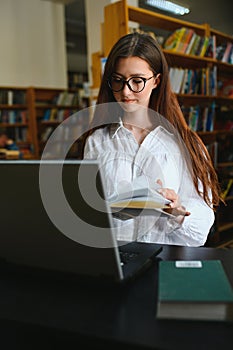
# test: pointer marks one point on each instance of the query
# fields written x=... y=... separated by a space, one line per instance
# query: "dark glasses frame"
x=127 y=82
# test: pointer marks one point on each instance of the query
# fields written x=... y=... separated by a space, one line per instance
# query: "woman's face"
x=134 y=67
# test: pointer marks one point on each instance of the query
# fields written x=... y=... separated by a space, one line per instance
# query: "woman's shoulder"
x=166 y=137
x=99 y=134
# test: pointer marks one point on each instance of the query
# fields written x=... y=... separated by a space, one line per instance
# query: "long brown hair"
x=162 y=101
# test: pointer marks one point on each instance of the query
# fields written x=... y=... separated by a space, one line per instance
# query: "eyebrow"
x=132 y=75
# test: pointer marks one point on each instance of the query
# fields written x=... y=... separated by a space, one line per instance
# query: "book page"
x=141 y=193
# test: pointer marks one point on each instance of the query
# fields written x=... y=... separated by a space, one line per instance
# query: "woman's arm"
x=190 y=227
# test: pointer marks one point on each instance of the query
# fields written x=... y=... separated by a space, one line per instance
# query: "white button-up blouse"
x=158 y=157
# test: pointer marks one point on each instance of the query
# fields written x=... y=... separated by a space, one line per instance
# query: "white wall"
x=32 y=37
x=94 y=17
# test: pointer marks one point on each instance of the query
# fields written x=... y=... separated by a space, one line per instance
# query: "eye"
x=136 y=80
x=116 y=79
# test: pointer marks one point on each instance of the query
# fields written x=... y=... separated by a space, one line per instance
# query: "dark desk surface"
x=44 y=312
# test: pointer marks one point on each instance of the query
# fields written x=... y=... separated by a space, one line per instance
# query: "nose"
x=126 y=88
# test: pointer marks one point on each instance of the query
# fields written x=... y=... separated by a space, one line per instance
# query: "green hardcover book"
x=194 y=290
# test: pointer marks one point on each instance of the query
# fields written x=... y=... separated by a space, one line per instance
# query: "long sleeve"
x=194 y=229
x=158 y=157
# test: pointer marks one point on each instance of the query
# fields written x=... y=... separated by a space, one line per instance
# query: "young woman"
x=138 y=130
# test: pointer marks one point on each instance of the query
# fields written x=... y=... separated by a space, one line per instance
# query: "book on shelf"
x=50 y=115
x=185 y=40
x=193 y=118
x=227 y=53
x=46 y=133
x=11 y=97
x=204 y=47
x=209 y=125
x=67 y=98
x=194 y=290
x=19 y=134
x=9 y=154
x=196 y=45
x=194 y=81
x=199 y=46
x=173 y=40
x=220 y=50
x=176 y=77
x=199 y=118
x=103 y=61
x=13 y=116
x=57 y=115
x=230 y=58
x=226 y=88
x=191 y=43
x=60 y=99
x=211 y=47
x=227 y=191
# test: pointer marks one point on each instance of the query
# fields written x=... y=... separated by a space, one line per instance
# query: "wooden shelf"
x=38 y=100
x=189 y=61
x=225 y=227
x=12 y=107
x=13 y=125
x=149 y=18
x=47 y=106
x=50 y=122
x=225 y=164
x=15 y=119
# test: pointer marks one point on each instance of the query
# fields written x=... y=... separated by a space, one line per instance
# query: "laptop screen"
x=53 y=215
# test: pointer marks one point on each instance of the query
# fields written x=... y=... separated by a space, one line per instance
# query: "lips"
x=128 y=101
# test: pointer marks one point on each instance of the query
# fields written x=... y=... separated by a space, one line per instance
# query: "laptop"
x=54 y=217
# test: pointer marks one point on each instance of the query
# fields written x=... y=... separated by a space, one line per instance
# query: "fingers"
x=180 y=211
x=176 y=208
x=171 y=195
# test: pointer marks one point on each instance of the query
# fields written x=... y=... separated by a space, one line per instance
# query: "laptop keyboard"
x=127 y=257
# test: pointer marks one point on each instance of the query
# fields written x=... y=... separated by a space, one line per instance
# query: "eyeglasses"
x=135 y=84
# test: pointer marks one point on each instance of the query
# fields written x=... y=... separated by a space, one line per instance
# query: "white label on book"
x=191 y=263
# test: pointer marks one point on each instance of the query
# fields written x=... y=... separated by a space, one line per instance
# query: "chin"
x=130 y=107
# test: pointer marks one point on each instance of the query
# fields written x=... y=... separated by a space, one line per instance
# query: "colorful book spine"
x=186 y=40
x=173 y=40
x=227 y=53
x=204 y=47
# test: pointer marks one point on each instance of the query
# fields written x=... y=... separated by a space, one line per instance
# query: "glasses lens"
x=136 y=84
x=116 y=84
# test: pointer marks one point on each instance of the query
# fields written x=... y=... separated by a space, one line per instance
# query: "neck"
x=138 y=132
x=137 y=120
x=139 y=125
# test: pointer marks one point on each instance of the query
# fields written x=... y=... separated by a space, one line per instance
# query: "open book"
x=139 y=197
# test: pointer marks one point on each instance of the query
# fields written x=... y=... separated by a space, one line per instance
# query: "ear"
x=157 y=80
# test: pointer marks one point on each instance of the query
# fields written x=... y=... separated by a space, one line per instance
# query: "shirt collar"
x=114 y=128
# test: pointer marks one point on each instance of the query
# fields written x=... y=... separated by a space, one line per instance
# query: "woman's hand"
x=176 y=208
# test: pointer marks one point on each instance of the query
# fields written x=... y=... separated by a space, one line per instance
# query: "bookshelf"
x=76 y=79
x=29 y=115
x=211 y=102
x=49 y=108
x=15 y=119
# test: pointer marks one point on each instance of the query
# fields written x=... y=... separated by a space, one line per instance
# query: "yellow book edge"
x=139 y=205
